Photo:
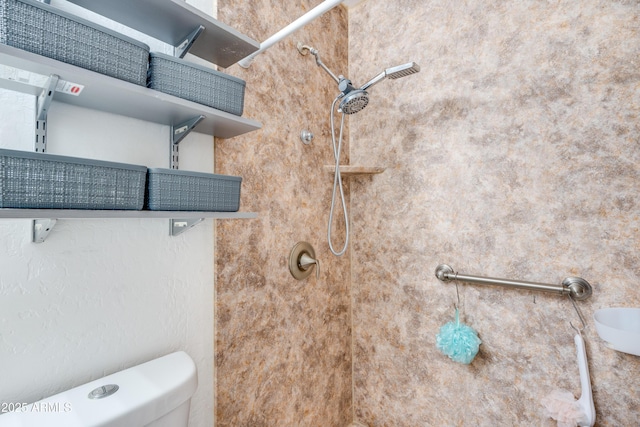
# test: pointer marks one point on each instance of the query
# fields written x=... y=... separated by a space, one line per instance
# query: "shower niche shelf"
x=348 y=170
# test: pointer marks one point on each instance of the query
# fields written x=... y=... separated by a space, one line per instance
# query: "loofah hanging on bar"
x=458 y=341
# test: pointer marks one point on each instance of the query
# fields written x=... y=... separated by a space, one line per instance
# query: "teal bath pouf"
x=458 y=341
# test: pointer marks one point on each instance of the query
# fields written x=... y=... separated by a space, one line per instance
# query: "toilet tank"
x=155 y=394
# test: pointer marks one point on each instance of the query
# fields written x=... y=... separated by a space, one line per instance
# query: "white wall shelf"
x=98 y=214
x=44 y=220
x=171 y=21
x=115 y=96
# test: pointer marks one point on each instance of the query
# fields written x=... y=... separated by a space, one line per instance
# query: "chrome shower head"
x=354 y=101
x=393 y=73
x=402 y=70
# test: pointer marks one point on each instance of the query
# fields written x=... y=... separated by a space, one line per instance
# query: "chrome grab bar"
x=576 y=287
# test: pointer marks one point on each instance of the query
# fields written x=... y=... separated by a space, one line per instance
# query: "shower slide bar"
x=576 y=287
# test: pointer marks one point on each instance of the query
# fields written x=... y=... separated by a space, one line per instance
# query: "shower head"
x=393 y=73
x=402 y=70
x=354 y=101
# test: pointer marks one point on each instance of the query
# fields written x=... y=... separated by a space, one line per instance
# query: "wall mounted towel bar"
x=576 y=287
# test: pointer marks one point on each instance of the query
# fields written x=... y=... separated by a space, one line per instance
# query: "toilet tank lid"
x=145 y=393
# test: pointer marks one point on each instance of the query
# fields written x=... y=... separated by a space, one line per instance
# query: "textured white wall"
x=102 y=295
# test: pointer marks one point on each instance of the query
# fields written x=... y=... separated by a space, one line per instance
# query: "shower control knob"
x=301 y=259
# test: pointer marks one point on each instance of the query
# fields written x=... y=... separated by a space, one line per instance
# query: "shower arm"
x=324 y=67
x=305 y=50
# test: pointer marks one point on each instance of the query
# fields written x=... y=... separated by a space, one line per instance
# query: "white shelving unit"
x=115 y=96
x=172 y=21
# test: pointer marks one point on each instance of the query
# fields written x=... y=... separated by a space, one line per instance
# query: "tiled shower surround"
x=513 y=153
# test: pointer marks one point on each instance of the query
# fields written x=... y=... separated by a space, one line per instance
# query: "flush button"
x=103 y=391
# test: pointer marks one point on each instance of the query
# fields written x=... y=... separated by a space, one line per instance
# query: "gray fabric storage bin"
x=46 y=181
x=175 y=190
x=196 y=83
x=48 y=31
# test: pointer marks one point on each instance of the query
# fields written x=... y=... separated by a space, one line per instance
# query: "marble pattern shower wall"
x=283 y=347
x=513 y=153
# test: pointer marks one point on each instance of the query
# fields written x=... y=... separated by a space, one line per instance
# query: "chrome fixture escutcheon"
x=306 y=137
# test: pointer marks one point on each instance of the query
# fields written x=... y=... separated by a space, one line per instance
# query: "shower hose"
x=337 y=182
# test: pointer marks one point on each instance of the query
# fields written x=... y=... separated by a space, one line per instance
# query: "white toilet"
x=154 y=394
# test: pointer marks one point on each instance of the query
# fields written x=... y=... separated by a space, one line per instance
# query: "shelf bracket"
x=178 y=133
x=43 y=103
x=179 y=226
x=181 y=50
x=41 y=229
